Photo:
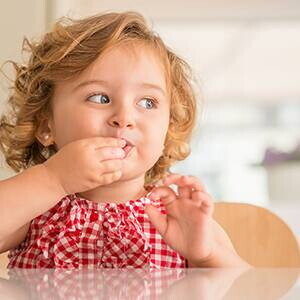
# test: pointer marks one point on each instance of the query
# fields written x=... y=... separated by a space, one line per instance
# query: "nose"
x=121 y=118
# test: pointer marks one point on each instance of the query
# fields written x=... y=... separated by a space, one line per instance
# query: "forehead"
x=130 y=62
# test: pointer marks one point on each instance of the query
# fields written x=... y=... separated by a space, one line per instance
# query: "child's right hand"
x=85 y=164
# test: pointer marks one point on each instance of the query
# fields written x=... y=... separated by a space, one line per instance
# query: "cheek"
x=155 y=137
x=74 y=124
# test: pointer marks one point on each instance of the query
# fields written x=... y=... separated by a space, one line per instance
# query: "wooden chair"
x=259 y=236
x=3 y=264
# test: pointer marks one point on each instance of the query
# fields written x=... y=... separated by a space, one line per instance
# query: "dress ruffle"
x=78 y=233
x=120 y=239
x=123 y=238
x=61 y=229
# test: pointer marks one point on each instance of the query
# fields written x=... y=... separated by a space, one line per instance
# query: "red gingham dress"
x=78 y=233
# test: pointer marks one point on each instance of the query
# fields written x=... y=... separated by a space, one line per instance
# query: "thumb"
x=157 y=219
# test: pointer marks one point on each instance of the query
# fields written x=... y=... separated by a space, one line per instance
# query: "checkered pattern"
x=78 y=233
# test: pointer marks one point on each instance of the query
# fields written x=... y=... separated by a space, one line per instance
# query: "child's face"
x=127 y=99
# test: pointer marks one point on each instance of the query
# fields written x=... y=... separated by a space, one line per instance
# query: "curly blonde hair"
x=65 y=51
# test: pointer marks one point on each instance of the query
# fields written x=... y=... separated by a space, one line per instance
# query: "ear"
x=45 y=134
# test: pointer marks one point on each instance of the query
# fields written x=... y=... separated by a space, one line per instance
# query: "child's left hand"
x=188 y=225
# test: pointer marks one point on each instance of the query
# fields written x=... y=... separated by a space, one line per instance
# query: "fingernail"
x=122 y=143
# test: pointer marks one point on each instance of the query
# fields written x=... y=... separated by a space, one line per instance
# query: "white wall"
x=17 y=19
x=186 y=10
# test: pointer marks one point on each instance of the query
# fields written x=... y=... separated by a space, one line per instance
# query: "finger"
x=171 y=176
x=157 y=219
x=166 y=194
x=184 y=192
x=188 y=181
x=110 y=177
x=106 y=141
x=105 y=153
x=111 y=165
x=205 y=201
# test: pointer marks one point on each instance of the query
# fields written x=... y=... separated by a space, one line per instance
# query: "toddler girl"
x=99 y=113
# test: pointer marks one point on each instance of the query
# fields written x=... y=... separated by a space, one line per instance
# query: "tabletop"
x=229 y=283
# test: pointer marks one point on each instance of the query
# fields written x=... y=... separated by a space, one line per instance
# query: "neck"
x=117 y=192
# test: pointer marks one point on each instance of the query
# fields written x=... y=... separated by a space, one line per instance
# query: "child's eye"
x=99 y=98
x=148 y=103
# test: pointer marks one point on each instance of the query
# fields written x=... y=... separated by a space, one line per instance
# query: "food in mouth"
x=127 y=148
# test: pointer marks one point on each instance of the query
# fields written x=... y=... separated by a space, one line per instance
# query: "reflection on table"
x=172 y=284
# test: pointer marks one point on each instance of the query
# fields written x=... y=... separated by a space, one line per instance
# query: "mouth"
x=127 y=148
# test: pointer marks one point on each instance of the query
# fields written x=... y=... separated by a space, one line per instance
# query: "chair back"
x=258 y=235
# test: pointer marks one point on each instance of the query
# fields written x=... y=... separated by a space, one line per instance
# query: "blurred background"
x=246 y=60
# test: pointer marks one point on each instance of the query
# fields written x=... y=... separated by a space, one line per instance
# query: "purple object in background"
x=273 y=156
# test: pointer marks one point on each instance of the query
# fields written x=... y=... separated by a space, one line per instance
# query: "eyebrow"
x=105 y=83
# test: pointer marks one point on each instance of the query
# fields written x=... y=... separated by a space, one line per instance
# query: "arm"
x=24 y=197
x=14 y=239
